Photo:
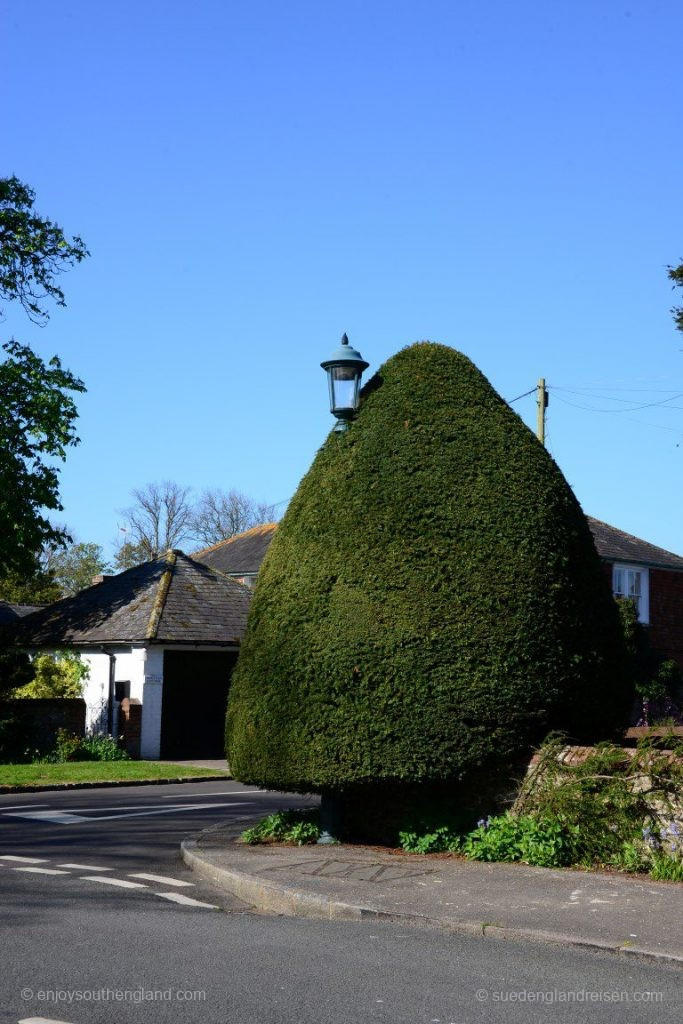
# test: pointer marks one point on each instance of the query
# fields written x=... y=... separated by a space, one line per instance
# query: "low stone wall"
x=667 y=813
x=33 y=724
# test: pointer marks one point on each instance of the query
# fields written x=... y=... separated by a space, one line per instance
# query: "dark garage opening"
x=195 y=694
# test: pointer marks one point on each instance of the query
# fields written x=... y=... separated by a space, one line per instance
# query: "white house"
x=165 y=634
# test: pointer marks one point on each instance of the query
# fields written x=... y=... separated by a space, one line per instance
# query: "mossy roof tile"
x=172 y=599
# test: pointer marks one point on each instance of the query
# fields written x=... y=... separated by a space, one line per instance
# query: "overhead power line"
x=530 y=392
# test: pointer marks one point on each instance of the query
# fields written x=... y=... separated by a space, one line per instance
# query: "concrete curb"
x=289 y=901
x=112 y=784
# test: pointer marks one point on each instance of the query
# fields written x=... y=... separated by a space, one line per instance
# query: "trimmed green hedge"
x=431 y=603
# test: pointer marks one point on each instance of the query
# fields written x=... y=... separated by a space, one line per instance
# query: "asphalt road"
x=77 y=947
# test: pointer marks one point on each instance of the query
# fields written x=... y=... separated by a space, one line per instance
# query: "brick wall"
x=33 y=724
x=130 y=725
x=666 y=613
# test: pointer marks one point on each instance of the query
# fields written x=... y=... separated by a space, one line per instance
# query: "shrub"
x=292 y=826
x=60 y=675
x=657 y=681
x=544 y=842
x=440 y=840
x=431 y=604
x=623 y=803
x=666 y=868
x=69 y=747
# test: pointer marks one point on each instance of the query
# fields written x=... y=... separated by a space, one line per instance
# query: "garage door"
x=195 y=694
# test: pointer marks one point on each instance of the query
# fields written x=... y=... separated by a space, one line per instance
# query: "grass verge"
x=96 y=771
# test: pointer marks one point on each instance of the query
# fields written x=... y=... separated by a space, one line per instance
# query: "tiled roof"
x=9 y=613
x=616 y=546
x=170 y=600
x=242 y=553
x=245 y=552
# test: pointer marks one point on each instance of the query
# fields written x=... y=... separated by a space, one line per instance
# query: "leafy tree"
x=55 y=675
x=652 y=676
x=160 y=519
x=128 y=554
x=38 y=588
x=676 y=275
x=37 y=411
x=37 y=415
x=431 y=605
x=73 y=567
x=33 y=251
x=222 y=514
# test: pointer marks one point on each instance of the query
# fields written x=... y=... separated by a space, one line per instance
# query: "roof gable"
x=614 y=545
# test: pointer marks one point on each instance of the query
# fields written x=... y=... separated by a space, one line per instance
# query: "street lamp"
x=344 y=370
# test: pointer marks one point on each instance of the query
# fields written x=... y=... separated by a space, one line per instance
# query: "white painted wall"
x=130 y=666
x=143 y=667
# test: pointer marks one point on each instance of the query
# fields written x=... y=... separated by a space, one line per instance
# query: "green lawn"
x=95 y=771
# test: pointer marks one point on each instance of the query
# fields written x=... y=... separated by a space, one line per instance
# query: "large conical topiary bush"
x=432 y=602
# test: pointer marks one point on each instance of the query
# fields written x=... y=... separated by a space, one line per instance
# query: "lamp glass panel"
x=344 y=381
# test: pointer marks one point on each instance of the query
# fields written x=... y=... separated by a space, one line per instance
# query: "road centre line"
x=83 y=867
x=24 y=860
x=185 y=901
x=108 y=880
x=43 y=871
x=159 y=878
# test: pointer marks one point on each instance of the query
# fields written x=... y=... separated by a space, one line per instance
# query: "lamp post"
x=344 y=370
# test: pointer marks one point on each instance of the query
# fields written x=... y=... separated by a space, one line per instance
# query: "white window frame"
x=643 y=604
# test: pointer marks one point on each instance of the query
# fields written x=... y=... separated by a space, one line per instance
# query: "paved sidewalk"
x=595 y=909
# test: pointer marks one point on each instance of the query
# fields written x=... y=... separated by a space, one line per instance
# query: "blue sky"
x=254 y=178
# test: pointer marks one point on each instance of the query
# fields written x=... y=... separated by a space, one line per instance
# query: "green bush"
x=60 y=675
x=544 y=842
x=292 y=826
x=439 y=840
x=656 y=680
x=624 y=804
x=69 y=747
x=431 y=604
x=666 y=868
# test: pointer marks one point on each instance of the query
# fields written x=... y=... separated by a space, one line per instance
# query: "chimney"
x=99 y=579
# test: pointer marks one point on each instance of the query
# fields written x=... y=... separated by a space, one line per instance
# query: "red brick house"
x=651 y=577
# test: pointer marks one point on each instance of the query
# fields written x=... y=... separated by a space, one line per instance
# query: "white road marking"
x=114 y=807
x=108 y=880
x=220 y=792
x=43 y=871
x=24 y=860
x=160 y=878
x=83 y=867
x=53 y=817
x=41 y=1020
x=186 y=901
x=66 y=818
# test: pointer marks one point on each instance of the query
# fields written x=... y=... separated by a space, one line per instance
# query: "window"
x=633 y=582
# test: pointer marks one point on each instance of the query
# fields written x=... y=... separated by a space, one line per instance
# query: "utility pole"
x=541 y=406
